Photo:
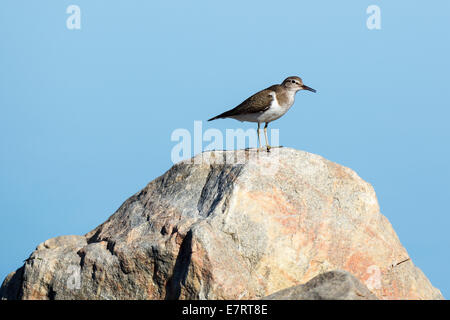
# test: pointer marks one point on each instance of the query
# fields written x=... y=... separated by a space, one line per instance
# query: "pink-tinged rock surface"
x=229 y=225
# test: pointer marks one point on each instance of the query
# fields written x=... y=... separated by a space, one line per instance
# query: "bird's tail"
x=214 y=118
x=226 y=114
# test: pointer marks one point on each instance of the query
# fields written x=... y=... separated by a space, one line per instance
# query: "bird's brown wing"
x=258 y=102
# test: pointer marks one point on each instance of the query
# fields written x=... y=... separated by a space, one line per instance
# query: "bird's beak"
x=308 y=88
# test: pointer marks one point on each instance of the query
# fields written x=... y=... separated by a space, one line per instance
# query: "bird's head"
x=295 y=84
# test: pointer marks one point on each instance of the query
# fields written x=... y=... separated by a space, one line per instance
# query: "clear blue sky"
x=86 y=115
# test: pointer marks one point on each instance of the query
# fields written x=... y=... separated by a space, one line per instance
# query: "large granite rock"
x=229 y=225
x=332 y=285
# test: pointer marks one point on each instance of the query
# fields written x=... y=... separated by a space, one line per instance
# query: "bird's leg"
x=259 y=138
x=267 y=140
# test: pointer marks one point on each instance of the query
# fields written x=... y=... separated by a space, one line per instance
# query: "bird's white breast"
x=274 y=112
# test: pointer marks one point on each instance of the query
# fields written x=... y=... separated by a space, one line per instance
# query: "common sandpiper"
x=267 y=105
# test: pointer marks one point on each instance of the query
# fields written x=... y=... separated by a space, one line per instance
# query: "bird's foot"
x=260 y=149
x=268 y=148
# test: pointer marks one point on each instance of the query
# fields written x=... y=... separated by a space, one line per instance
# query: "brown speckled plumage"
x=261 y=101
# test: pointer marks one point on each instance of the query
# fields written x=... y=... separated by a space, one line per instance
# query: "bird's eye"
x=292 y=81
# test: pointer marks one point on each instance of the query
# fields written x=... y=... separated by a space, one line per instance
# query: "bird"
x=267 y=105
